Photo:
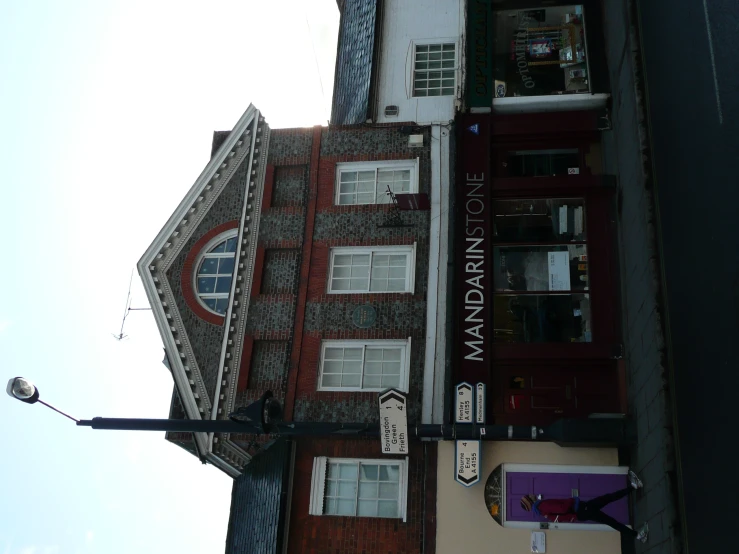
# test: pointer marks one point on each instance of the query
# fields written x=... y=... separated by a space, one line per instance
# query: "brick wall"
x=269 y=364
x=282 y=225
x=343 y=535
x=290 y=186
x=271 y=316
x=280 y=271
x=299 y=196
x=329 y=316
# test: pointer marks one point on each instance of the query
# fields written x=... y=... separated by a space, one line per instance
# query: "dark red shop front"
x=536 y=307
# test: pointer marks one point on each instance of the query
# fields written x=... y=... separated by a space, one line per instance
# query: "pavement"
x=693 y=109
x=627 y=154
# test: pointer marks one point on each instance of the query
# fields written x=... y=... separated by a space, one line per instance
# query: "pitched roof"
x=259 y=503
x=243 y=147
x=353 y=74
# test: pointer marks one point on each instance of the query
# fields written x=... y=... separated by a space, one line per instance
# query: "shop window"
x=542 y=318
x=215 y=272
x=541 y=163
x=434 y=68
x=372 y=269
x=370 y=365
x=540 y=277
x=368 y=182
x=359 y=488
x=540 y=52
x=554 y=267
x=539 y=220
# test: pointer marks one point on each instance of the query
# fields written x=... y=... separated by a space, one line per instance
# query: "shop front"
x=488 y=517
x=537 y=297
x=534 y=57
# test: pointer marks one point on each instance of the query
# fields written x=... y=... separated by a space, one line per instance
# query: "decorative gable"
x=205 y=347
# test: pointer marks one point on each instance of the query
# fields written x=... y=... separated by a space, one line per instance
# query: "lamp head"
x=22 y=389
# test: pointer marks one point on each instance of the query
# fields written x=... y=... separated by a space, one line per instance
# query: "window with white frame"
x=364 y=365
x=359 y=488
x=372 y=269
x=215 y=272
x=368 y=182
x=434 y=68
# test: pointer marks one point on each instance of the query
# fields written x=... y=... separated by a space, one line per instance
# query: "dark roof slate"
x=353 y=75
x=259 y=503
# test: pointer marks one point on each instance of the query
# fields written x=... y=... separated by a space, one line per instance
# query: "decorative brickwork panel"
x=396 y=313
x=271 y=317
x=290 y=146
x=349 y=228
x=311 y=534
x=280 y=272
x=280 y=225
x=290 y=186
x=371 y=143
x=268 y=365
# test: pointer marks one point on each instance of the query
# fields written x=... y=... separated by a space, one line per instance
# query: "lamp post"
x=265 y=417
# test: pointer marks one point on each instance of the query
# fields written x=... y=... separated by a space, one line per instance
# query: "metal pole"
x=58 y=410
x=571 y=432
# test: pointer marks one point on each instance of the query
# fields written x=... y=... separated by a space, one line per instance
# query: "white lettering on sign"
x=467 y=462
x=464 y=406
x=474 y=266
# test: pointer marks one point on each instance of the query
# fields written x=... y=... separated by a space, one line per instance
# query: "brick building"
x=287 y=268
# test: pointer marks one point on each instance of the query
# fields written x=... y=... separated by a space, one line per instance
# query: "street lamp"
x=265 y=417
x=22 y=389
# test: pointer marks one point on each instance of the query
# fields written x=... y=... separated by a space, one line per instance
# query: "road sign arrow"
x=467 y=462
x=391 y=395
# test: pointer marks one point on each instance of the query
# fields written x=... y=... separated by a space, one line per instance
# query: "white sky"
x=107 y=110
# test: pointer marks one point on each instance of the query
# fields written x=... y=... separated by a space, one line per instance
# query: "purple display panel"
x=563 y=485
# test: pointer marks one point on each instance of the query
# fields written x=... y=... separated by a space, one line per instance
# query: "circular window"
x=215 y=272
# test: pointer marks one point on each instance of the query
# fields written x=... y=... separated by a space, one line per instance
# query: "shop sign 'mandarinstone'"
x=474 y=268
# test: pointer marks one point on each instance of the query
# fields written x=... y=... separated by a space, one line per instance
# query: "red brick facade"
x=310 y=534
x=291 y=313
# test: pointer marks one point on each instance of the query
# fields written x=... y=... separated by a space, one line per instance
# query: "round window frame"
x=204 y=251
x=189 y=268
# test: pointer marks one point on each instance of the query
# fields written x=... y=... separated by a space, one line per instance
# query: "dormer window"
x=215 y=272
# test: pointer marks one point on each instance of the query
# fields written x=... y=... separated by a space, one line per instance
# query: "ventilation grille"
x=391 y=111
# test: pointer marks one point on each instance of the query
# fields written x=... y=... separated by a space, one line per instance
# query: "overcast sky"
x=107 y=110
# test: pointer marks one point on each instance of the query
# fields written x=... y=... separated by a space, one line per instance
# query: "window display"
x=534 y=220
x=540 y=278
x=540 y=52
x=542 y=318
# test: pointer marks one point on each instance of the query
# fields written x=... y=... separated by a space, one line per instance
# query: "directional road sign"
x=467 y=462
x=393 y=422
x=464 y=412
x=480 y=403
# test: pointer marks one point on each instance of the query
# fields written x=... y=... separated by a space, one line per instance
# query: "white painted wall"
x=434 y=371
x=407 y=22
x=463 y=521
